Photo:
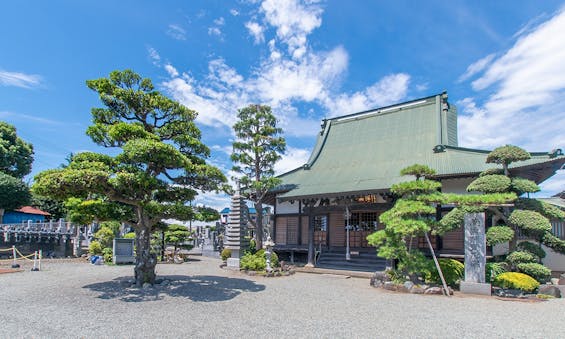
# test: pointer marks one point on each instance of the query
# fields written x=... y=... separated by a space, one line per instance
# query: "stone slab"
x=474 y=288
x=233 y=263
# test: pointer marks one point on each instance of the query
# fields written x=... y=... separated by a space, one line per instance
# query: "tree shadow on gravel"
x=201 y=288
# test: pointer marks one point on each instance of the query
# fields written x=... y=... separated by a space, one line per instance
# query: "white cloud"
x=256 y=31
x=18 y=79
x=525 y=90
x=234 y=12
x=219 y=21
x=214 y=31
x=154 y=56
x=291 y=159
x=171 y=70
x=293 y=21
x=287 y=77
x=27 y=118
x=176 y=32
x=388 y=90
x=553 y=185
x=476 y=67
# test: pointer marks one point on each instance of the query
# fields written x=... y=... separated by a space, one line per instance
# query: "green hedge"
x=453 y=271
x=535 y=270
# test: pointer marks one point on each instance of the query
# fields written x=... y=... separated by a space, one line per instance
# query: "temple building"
x=355 y=161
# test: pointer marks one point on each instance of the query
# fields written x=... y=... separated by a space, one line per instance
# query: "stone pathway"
x=201 y=300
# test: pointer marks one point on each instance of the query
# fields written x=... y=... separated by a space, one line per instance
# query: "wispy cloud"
x=234 y=12
x=525 y=104
x=154 y=56
x=29 y=118
x=176 y=32
x=476 y=67
x=18 y=79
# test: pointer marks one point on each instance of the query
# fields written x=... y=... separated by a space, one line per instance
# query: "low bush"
x=258 y=261
x=108 y=255
x=534 y=249
x=536 y=271
x=226 y=253
x=519 y=257
x=516 y=280
x=95 y=248
x=452 y=270
x=130 y=235
x=494 y=269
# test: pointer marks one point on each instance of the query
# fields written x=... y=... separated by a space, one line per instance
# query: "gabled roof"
x=364 y=152
x=31 y=210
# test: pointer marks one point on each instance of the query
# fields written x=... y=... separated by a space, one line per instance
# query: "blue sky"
x=500 y=61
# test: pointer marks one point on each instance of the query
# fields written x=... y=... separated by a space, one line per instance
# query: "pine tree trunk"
x=259 y=225
x=145 y=260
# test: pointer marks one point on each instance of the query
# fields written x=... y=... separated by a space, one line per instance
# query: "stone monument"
x=234 y=238
x=475 y=255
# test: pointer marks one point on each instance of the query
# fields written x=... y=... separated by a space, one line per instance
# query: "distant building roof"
x=364 y=152
x=556 y=201
x=31 y=210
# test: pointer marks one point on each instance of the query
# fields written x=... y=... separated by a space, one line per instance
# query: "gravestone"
x=234 y=238
x=475 y=255
x=122 y=250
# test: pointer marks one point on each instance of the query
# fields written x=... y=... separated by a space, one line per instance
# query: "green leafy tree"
x=176 y=235
x=16 y=155
x=56 y=208
x=161 y=166
x=256 y=150
x=206 y=214
x=13 y=193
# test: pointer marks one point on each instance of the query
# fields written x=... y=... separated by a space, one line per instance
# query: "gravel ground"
x=72 y=299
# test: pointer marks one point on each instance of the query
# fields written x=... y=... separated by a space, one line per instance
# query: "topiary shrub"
x=226 y=253
x=258 y=261
x=535 y=270
x=453 y=271
x=492 y=183
x=519 y=257
x=494 y=269
x=516 y=280
x=534 y=249
x=531 y=222
x=108 y=255
x=499 y=234
x=95 y=248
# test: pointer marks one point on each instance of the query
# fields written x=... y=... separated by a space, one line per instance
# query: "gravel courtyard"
x=79 y=300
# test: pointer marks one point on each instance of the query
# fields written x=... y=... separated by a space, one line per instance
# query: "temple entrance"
x=362 y=224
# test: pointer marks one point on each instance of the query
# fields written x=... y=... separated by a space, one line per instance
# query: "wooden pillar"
x=300 y=223
x=311 y=250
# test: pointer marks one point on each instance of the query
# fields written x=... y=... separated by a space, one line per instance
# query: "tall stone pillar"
x=475 y=255
x=234 y=238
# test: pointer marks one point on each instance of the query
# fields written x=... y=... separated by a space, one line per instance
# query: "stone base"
x=474 y=288
x=233 y=263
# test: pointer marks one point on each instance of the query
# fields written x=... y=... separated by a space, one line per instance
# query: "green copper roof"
x=365 y=152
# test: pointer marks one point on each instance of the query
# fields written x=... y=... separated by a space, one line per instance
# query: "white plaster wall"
x=286 y=207
x=458 y=186
x=554 y=261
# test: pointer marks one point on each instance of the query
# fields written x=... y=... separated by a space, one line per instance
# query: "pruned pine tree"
x=258 y=146
x=528 y=216
x=160 y=166
x=409 y=218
